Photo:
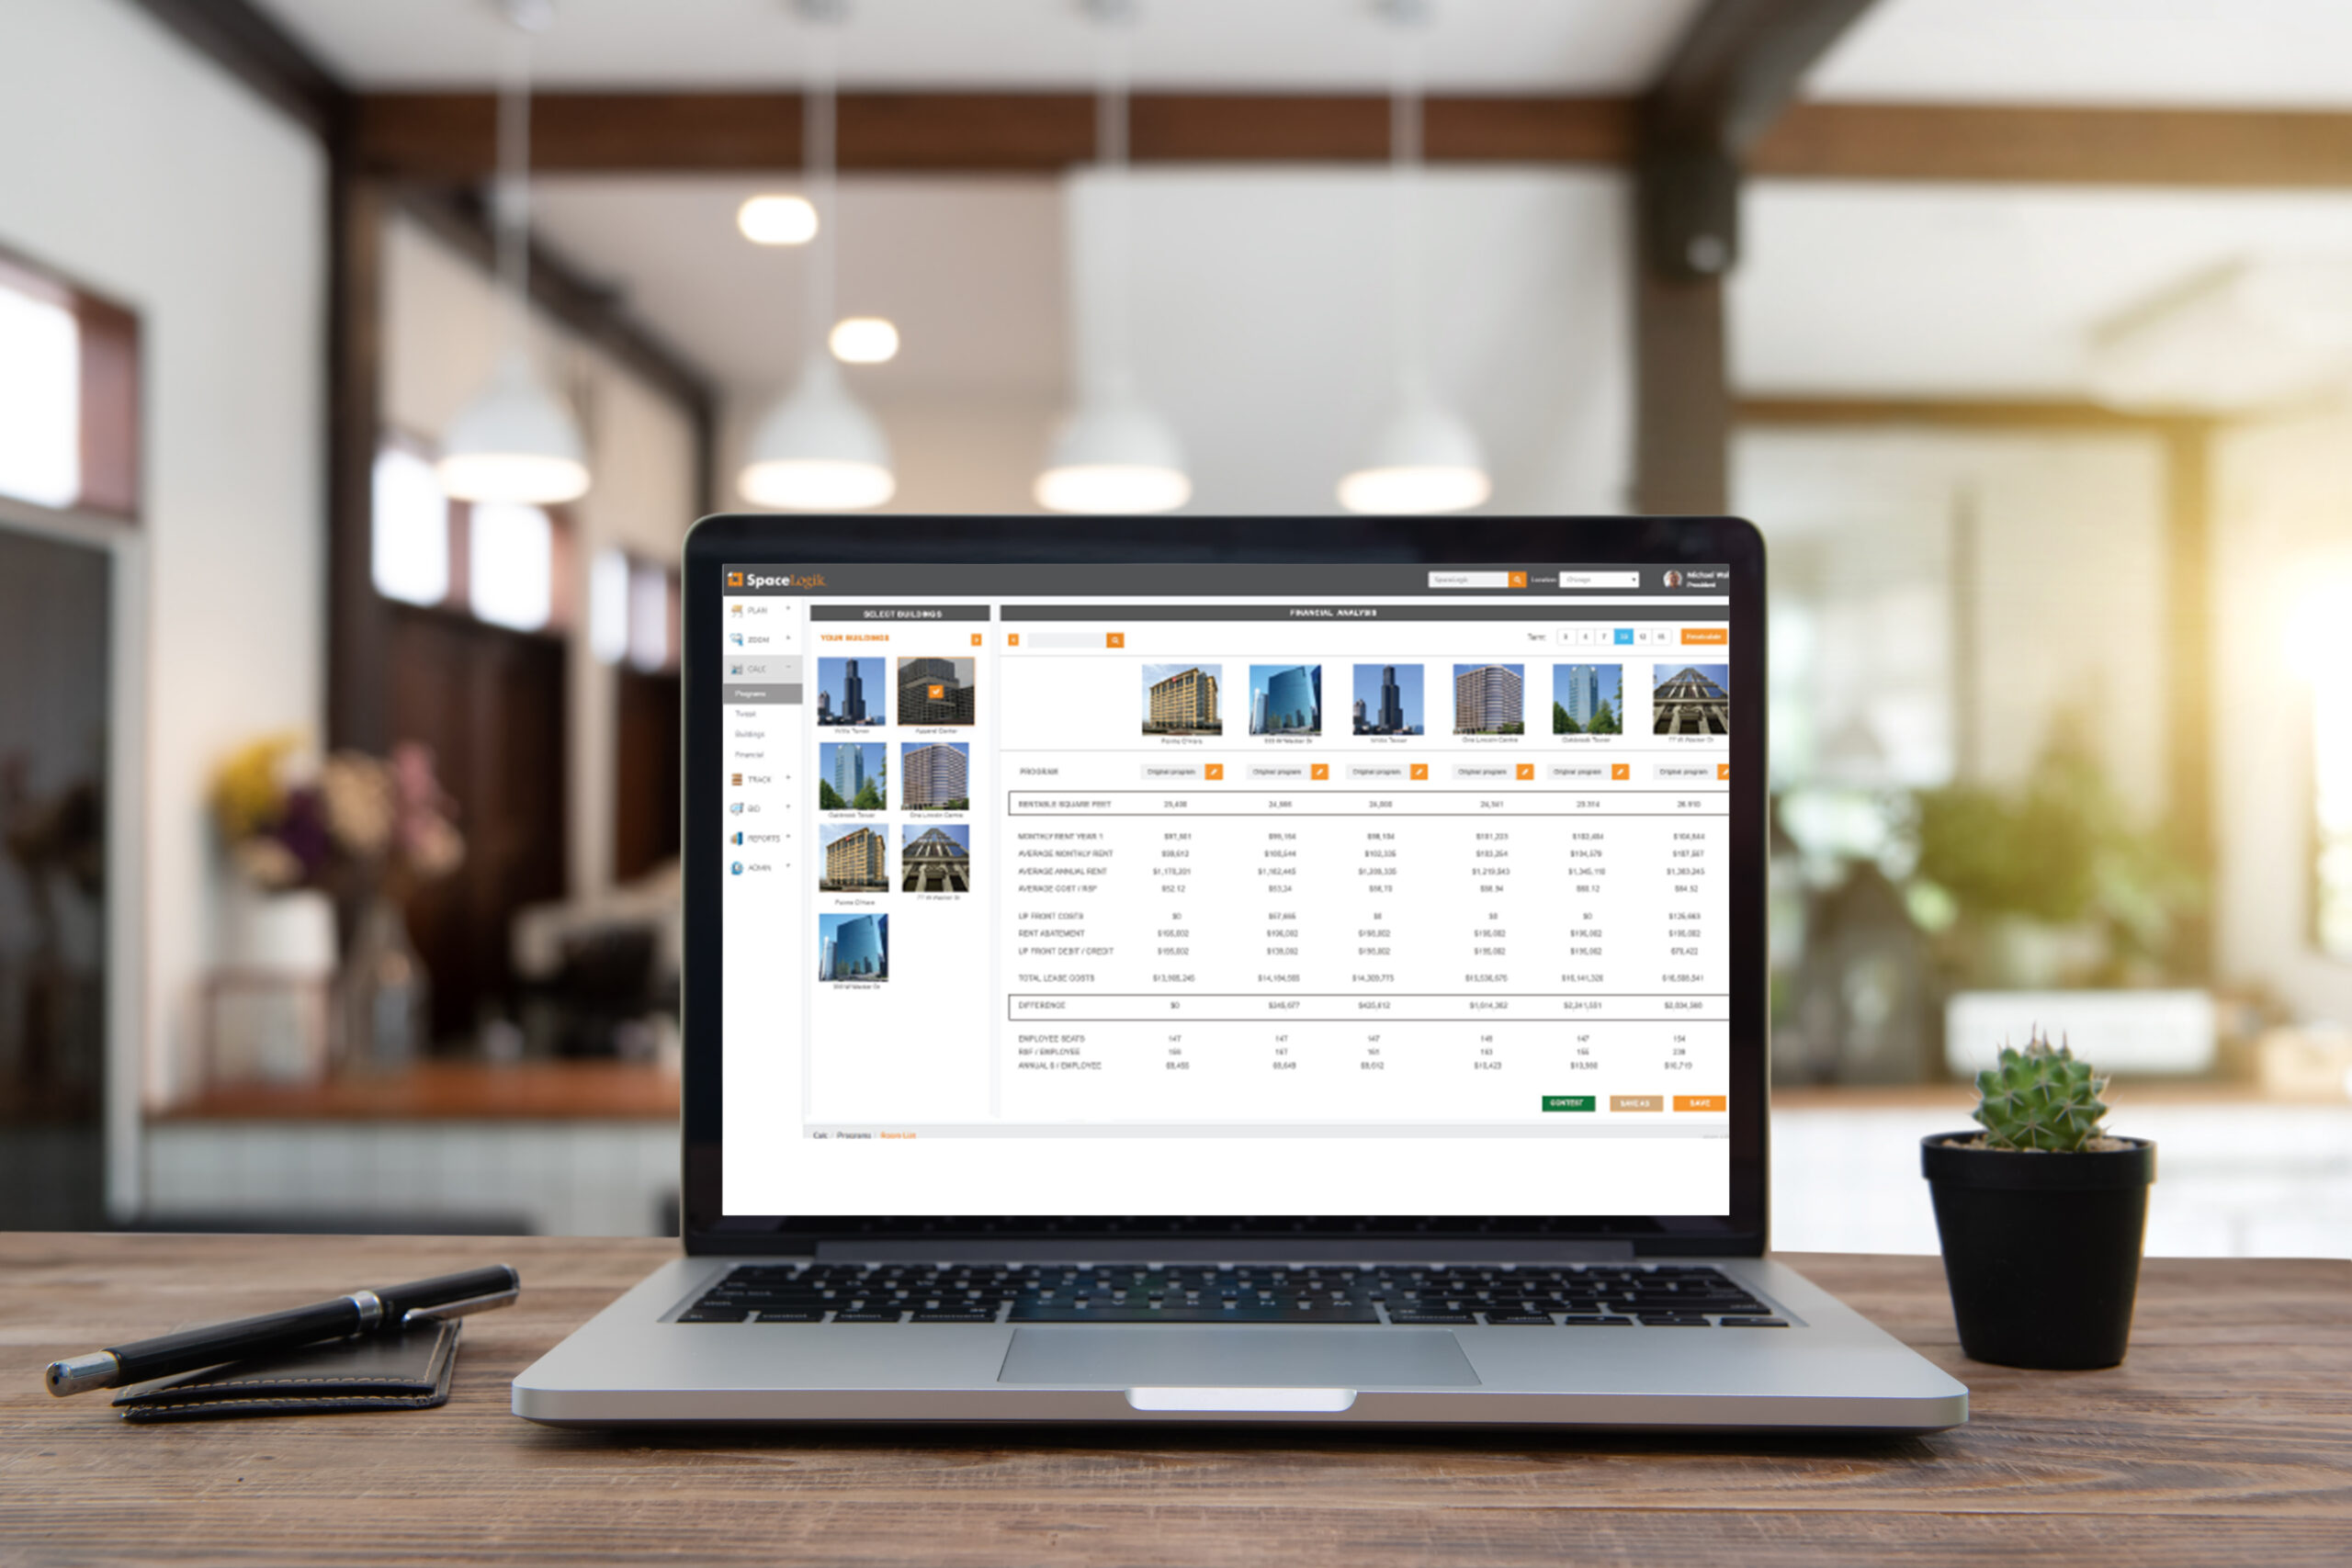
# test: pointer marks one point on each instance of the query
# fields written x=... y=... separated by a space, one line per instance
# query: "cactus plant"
x=2039 y=1098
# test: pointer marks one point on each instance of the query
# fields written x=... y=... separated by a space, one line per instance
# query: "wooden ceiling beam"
x=2219 y=148
x=452 y=136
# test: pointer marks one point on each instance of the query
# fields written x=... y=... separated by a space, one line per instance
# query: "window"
x=68 y=395
x=502 y=564
x=633 y=612
x=510 y=566
x=411 y=546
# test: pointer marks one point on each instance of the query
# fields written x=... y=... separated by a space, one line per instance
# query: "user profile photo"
x=1673 y=579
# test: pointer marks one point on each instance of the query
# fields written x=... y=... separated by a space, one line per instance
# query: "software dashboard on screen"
x=1248 y=888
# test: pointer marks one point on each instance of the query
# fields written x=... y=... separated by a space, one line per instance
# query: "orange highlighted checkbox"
x=1527 y=770
x=1620 y=771
x=1318 y=770
x=936 y=692
x=1421 y=770
x=1214 y=771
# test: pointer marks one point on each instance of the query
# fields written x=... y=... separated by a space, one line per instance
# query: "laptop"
x=1227 y=970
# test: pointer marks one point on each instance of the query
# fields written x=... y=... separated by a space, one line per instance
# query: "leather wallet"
x=407 y=1371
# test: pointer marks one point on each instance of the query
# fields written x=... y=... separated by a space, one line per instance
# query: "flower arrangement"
x=342 y=823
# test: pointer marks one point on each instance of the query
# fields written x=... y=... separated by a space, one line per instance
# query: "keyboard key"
x=1755 y=1322
x=1597 y=1322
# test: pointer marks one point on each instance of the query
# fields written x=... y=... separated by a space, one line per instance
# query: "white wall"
x=2283 y=533
x=137 y=167
x=441 y=336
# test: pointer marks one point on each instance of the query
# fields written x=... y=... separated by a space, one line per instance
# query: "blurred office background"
x=339 y=784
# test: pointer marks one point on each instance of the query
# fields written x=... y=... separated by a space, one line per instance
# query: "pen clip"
x=415 y=1315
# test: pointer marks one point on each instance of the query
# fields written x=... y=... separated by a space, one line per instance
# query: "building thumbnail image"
x=936 y=690
x=935 y=859
x=935 y=775
x=1587 y=699
x=1695 y=700
x=1388 y=699
x=856 y=860
x=853 y=947
x=1181 y=699
x=1489 y=699
x=852 y=775
x=849 y=693
x=1286 y=699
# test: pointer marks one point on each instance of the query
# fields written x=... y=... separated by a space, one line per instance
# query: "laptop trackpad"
x=1179 y=1355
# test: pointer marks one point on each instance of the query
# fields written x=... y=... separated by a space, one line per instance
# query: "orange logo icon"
x=734 y=580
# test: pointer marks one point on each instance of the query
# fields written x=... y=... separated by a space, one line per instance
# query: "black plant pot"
x=2042 y=1251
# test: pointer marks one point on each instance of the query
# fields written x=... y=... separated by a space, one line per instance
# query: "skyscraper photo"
x=936 y=690
x=936 y=775
x=1286 y=699
x=853 y=947
x=1489 y=699
x=852 y=775
x=1587 y=699
x=850 y=692
x=1389 y=698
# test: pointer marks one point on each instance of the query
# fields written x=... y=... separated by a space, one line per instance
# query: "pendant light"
x=1116 y=454
x=516 y=441
x=817 y=450
x=1423 y=457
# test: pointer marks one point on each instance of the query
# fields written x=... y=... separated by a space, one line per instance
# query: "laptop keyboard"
x=1665 y=1295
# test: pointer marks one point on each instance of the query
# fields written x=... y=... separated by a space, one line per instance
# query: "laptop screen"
x=1226 y=888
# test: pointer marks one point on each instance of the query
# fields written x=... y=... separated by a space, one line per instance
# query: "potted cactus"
x=2041 y=1215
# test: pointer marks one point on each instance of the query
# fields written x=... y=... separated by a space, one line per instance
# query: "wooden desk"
x=2226 y=1437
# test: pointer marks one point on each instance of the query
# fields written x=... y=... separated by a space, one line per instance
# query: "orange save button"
x=1701 y=1102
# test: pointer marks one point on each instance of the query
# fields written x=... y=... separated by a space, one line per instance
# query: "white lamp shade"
x=1424 y=460
x=817 y=450
x=514 y=443
x=1115 y=454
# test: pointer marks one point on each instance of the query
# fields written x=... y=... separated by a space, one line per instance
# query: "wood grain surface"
x=2226 y=1437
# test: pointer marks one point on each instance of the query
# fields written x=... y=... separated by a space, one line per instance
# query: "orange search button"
x=1114 y=639
x=1706 y=636
x=1701 y=1102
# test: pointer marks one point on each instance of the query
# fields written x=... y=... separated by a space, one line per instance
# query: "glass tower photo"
x=1286 y=699
x=853 y=947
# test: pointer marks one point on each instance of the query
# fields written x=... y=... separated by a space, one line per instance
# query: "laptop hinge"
x=1220 y=1249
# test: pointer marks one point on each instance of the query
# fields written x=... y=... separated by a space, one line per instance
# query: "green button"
x=1567 y=1102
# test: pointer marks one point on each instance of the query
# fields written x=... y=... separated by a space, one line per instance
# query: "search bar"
x=1478 y=580
x=1601 y=579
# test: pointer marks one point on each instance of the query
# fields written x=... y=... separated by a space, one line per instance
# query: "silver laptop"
x=1228 y=970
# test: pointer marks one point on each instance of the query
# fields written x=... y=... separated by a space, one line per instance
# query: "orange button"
x=1621 y=769
x=976 y=639
x=1421 y=770
x=1701 y=1102
x=1527 y=770
x=1318 y=770
x=1636 y=1103
x=1012 y=640
x=1213 y=771
x=1518 y=580
x=936 y=692
x=1114 y=639
x=1723 y=770
x=1706 y=636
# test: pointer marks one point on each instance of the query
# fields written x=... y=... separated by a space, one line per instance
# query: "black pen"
x=343 y=1317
